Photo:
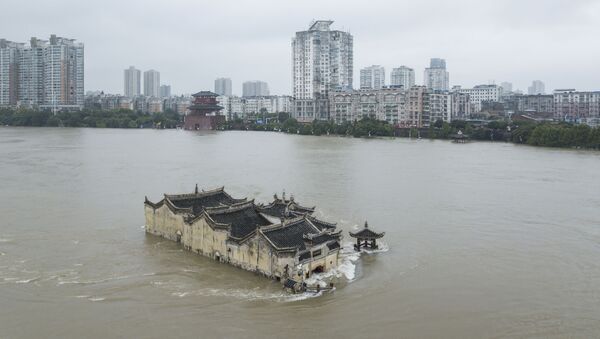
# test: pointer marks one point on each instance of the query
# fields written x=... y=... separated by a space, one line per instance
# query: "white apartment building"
x=436 y=77
x=132 y=82
x=223 y=86
x=507 y=87
x=9 y=72
x=255 y=89
x=152 y=83
x=372 y=77
x=322 y=61
x=481 y=93
x=402 y=76
x=537 y=87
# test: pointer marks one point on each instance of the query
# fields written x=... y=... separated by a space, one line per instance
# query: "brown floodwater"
x=484 y=240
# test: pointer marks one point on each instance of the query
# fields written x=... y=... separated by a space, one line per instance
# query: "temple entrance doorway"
x=318 y=269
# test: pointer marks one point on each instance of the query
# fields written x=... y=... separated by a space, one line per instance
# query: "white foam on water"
x=76 y=242
x=82 y=296
x=27 y=281
x=77 y=264
x=383 y=247
x=90 y=282
x=249 y=295
x=2 y=253
x=96 y=299
x=5 y=240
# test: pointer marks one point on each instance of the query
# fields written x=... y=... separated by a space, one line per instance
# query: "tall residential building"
x=255 y=89
x=436 y=77
x=165 y=91
x=9 y=72
x=507 y=87
x=372 y=77
x=223 y=86
x=63 y=73
x=132 y=82
x=322 y=61
x=402 y=76
x=31 y=73
x=537 y=87
x=151 y=83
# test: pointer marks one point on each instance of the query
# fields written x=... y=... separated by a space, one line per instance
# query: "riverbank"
x=121 y=118
x=530 y=133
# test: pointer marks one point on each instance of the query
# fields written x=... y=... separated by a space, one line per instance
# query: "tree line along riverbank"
x=522 y=132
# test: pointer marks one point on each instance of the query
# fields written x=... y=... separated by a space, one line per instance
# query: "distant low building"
x=416 y=106
x=223 y=86
x=165 y=91
x=537 y=87
x=576 y=106
x=236 y=107
x=480 y=94
x=255 y=89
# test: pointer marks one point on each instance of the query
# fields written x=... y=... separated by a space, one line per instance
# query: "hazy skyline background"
x=193 y=42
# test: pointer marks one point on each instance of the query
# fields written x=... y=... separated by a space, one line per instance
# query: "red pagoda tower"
x=204 y=112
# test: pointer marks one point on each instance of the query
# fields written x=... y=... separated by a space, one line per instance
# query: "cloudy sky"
x=191 y=42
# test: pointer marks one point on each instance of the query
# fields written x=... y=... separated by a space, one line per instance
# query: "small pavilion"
x=460 y=138
x=366 y=238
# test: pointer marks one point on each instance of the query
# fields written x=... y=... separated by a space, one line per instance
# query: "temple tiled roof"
x=295 y=234
x=278 y=208
x=201 y=200
x=205 y=94
x=243 y=218
x=321 y=225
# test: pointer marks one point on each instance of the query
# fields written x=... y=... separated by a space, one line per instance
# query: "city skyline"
x=476 y=53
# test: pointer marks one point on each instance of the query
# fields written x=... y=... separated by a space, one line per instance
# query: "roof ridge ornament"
x=196 y=190
x=366 y=224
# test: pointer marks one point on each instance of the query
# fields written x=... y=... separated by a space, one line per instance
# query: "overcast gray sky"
x=191 y=42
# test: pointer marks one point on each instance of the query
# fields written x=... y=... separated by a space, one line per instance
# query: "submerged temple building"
x=204 y=112
x=281 y=240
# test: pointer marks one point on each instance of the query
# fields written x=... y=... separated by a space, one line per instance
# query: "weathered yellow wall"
x=163 y=222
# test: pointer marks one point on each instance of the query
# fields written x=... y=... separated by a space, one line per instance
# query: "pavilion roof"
x=367 y=233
